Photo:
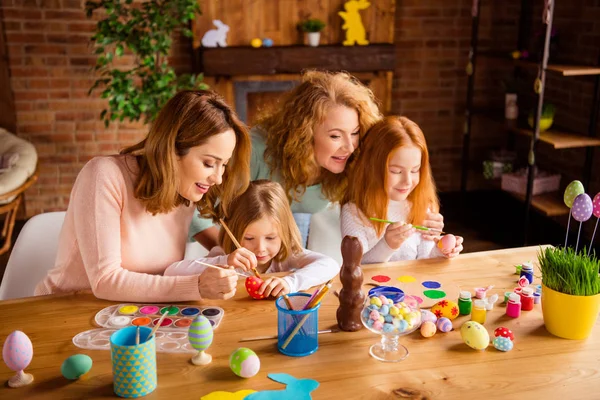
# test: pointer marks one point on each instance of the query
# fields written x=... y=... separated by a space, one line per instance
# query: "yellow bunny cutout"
x=355 y=30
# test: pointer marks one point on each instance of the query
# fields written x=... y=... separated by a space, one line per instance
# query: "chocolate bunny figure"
x=351 y=296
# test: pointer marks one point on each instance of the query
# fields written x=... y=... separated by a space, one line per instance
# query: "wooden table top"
x=441 y=367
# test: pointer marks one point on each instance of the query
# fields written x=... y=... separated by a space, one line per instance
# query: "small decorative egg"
x=388 y=318
x=200 y=333
x=447 y=242
x=377 y=325
x=427 y=315
x=503 y=343
x=445 y=308
x=475 y=335
x=428 y=329
x=444 y=325
x=388 y=327
x=256 y=43
x=504 y=332
x=252 y=285
x=374 y=315
x=244 y=362
x=76 y=366
x=402 y=326
x=17 y=351
x=394 y=311
x=266 y=42
x=376 y=301
x=384 y=310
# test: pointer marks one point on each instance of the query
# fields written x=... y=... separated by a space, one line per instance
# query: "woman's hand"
x=242 y=258
x=397 y=233
x=274 y=287
x=455 y=251
x=217 y=284
x=433 y=221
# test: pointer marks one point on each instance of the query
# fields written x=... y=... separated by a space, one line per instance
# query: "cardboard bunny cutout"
x=216 y=37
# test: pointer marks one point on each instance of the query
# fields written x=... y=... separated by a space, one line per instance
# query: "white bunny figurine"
x=216 y=37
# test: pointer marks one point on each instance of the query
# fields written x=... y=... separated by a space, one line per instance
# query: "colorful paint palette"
x=179 y=317
x=425 y=290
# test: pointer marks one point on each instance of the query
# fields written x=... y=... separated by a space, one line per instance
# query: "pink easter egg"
x=596 y=205
x=447 y=242
x=17 y=351
x=582 y=208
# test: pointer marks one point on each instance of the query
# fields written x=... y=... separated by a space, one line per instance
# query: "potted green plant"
x=143 y=30
x=312 y=27
x=570 y=291
x=546 y=119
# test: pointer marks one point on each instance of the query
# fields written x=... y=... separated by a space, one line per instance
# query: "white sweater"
x=308 y=268
x=375 y=248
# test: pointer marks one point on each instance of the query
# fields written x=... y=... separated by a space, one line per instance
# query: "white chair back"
x=32 y=256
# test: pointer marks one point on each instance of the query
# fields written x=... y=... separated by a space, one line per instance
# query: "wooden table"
x=441 y=367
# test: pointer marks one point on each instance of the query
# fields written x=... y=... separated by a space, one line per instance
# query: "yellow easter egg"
x=445 y=308
x=475 y=335
x=256 y=42
x=394 y=311
x=376 y=301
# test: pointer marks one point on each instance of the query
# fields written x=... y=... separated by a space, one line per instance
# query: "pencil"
x=419 y=227
x=235 y=242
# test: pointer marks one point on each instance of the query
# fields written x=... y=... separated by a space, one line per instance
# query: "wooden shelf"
x=557 y=138
x=563 y=69
x=549 y=204
x=245 y=60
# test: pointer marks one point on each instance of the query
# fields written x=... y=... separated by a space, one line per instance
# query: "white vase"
x=511 y=109
x=314 y=38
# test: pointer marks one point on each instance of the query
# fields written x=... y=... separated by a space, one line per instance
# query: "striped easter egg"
x=200 y=333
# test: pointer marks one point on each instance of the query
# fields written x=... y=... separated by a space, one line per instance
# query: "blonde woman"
x=263 y=221
x=128 y=214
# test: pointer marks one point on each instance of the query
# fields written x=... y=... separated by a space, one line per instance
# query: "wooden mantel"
x=234 y=61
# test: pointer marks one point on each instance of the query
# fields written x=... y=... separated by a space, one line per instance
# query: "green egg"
x=76 y=366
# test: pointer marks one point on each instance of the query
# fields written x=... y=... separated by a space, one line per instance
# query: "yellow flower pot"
x=568 y=316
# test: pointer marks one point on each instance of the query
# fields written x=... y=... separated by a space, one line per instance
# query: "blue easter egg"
x=266 y=42
x=388 y=327
x=388 y=318
x=384 y=310
x=200 y=333
x=503 y=343
x=444 y=324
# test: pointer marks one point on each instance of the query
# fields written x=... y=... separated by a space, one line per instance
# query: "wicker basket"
x=543 y=183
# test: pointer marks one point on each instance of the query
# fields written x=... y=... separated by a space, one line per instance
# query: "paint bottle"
x=478 y=313
x=527 y=299
x=464 y=302
x=527 y=272
x=513 y=308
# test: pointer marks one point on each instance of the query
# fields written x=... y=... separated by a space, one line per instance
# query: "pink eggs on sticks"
x=17 y=354
x=447 y=242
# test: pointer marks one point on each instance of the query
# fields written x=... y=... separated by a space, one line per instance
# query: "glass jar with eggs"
x=391 y=316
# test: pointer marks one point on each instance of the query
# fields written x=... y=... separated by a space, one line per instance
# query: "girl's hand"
x=455 y=251
x=274 y=287
x=433 y=221
x=217 y=284
x=242 y=258
x=397 y=233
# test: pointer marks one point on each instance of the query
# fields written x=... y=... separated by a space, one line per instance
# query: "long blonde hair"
x=368 y=182
x=188 y=120
x=289 y=130
x=263 y=198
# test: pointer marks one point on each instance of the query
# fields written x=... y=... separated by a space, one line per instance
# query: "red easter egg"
x=252 y=285
x=504 y=332
x=447 y=242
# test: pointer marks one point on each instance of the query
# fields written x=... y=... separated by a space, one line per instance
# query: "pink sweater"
x=111 y=244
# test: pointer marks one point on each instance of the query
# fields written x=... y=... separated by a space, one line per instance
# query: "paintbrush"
x=153 y=331
x=419 y=227
x=235 y=242
x=217 y=267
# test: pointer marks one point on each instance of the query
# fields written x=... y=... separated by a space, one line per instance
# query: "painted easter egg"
x=427 y=315
x=503 y=344
x=504 y=332
x=444 y=325
x=573 y=190
x=475 y=335
x=596 y=206
x=17 y=351
x=447 y=242
x=256 y=43
x=252 y=285
x=445 y=308
x=200 y=333
x=428 y=329
x=267 y=42
x=76 y=366
x=244 y=362
x=582 y=207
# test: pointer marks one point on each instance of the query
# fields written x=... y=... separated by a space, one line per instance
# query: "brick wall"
x=51 y=62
